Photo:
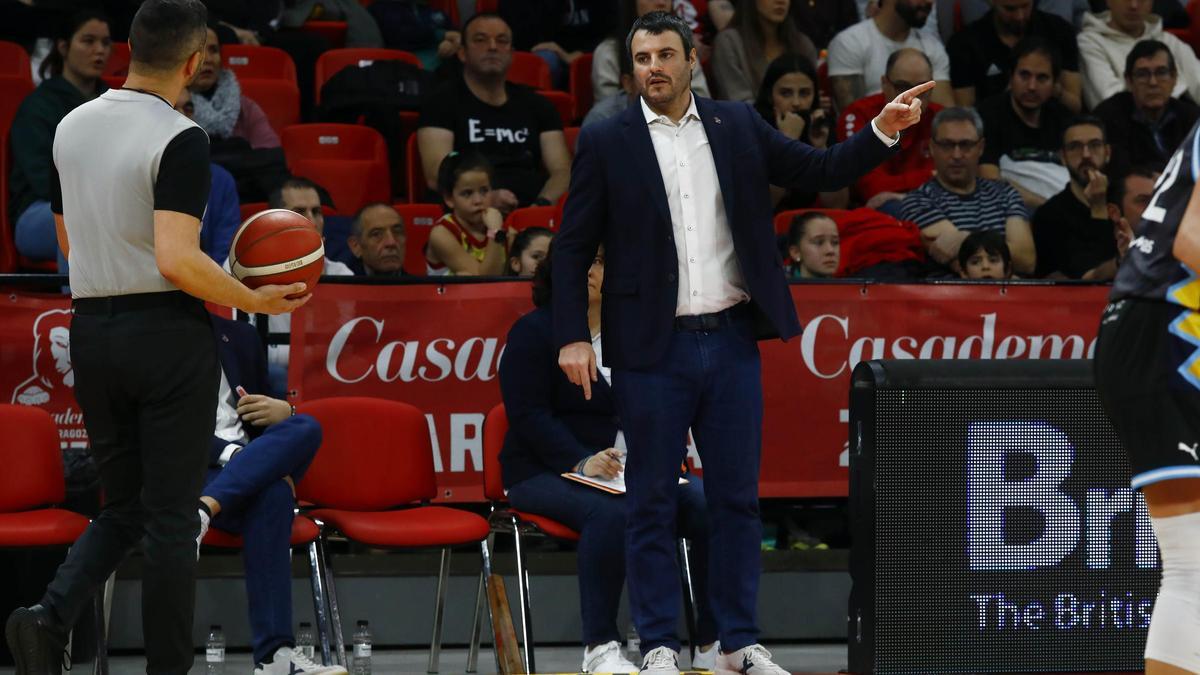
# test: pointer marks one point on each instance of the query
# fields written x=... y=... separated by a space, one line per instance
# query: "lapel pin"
x=717 y=120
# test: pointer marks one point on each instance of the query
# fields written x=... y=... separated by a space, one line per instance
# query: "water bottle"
x=362 y=650
x=633 y=643
x=214 y=651
x=305 y=640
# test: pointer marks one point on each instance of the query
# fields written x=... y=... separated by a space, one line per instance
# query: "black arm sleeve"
x=184 y=176
x=55 y=190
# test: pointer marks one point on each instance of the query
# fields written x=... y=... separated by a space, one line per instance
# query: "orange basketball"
x=277 y=246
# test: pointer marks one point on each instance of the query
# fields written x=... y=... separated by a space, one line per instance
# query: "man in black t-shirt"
x=1025 y=123
x=981 y=55
x=1072 y=230
x=518 y=131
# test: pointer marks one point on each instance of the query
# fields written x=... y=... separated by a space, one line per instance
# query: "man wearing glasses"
x=957 y=202
x=1072 y=230
x=1146 y=122
x=885 y=185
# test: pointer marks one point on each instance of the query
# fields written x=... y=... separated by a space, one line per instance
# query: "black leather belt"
x=710 y=322
x=116 y=304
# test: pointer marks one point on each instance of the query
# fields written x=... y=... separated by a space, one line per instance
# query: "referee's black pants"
x=146 y=379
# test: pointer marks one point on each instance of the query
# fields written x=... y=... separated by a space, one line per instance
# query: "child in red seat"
x=470 y=239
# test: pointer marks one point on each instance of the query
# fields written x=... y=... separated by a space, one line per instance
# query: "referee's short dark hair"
x=657 y=23
x=166 y=32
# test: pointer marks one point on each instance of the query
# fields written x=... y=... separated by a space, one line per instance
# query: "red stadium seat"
x=349 y=161
x=334 y=60
x=14 y=61
x=334 y=31
x=530 y=70
x=563 y=103
x=279 y=99
x=250 y=208
x=534 y=216
x=118 y=61
x=32 y=482
x=418 y=222
x=580 y=84
x=250 y=62
x=487 y=6
x=572 y=135
x=13 y=90
x=373 y=482
x=783 y=219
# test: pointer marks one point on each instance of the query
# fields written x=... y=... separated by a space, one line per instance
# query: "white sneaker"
x=607 y=658
x=204 y=520
x=752 y=660
x=707 y=660
x=290 y=662
x=660 y=661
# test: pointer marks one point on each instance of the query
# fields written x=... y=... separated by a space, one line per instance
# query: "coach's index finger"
x=908 y=96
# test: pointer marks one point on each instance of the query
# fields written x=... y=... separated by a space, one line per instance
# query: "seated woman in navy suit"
x=554 y=430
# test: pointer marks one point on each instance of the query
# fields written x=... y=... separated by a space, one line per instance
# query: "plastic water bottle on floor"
x=633 y=643
x=362 y=650
x=305 y=640
x=214 y=651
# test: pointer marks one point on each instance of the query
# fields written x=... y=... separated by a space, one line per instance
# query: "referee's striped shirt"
x=987 y=208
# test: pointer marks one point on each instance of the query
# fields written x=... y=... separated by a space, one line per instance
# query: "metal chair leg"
x=335 y=616
x=435 y=644
x=526 y=607
x=316 y=571
x=689 y=595
x=473 y=650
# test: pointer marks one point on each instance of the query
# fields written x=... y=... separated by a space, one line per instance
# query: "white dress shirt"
x=229 y=425
x=710 y=277
x=606 y=373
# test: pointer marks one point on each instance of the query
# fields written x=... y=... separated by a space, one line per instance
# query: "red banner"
x=438 y=347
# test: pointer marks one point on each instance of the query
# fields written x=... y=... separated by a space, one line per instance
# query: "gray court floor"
x=823 y=658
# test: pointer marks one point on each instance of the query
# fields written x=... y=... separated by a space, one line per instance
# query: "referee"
x=128 y=187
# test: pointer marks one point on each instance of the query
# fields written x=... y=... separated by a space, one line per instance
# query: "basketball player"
x=1148 y=377
x=129 y=183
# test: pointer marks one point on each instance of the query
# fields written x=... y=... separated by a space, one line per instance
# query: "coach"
x=676 y=189
x=128 y=187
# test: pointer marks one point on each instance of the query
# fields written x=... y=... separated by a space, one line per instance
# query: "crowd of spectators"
x=1044 y=117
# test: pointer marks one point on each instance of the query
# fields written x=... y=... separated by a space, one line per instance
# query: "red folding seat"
x=279 y=100
x=563 y=103
x=334 y=60
x=530 y=70
x=253 y=62
x=14 y=61
x=534 y=216
x=419 y=220
x=580 y=84
x=349 y=161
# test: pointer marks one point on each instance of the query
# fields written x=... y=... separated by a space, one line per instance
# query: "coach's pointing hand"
x=273 y=299
x=904 y=111
x=578 y=361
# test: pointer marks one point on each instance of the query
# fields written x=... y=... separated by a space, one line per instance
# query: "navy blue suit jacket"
x=551 y=425
x=617 y=198
x=245 y=363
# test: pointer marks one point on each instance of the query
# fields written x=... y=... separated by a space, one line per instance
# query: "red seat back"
x=495 y=428
x=534 y=216
x=118 y=61
x=530 y=70
x=349 y=161
x=14 y=61
x=13 y=90
x=563 y=103
x=580 y=84
x=32 y=459
x=418 y=223
x=375 y=454
x=250 y=62
x=279 y=100
x=333 y=31
x=250 y=208
x=334 y=60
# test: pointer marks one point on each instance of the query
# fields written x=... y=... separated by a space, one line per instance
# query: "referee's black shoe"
x=37 y=646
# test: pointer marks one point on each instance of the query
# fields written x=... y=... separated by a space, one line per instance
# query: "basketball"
x=277 y=246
